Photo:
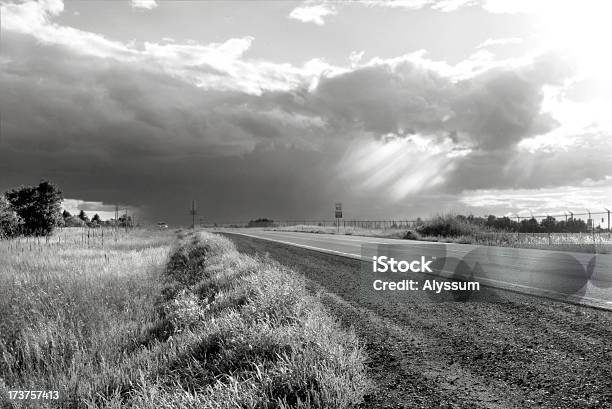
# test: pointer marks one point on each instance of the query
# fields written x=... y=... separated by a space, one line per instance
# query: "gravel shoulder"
x=517 y=352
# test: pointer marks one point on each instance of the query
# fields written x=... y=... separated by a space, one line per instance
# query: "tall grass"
x=250 y=337
x=67 y=312
x=148 y=327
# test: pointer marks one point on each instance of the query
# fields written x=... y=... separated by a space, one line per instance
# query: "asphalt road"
x=497 y=350
x=580 y=278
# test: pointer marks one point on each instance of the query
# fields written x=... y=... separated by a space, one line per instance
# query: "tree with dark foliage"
x=261 y=222
x=83 y=216
x=38 y=207
x=10 y=223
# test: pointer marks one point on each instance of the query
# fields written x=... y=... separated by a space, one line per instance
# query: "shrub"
x=262 y=222
x=448 y=226
x=411 y=235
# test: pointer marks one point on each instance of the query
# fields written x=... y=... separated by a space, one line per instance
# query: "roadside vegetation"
x=142 y=322
x=547 y=234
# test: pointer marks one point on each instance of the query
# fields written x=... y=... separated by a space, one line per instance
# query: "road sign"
x=338 y=210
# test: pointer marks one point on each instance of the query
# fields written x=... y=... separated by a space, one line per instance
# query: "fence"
x=83 y=237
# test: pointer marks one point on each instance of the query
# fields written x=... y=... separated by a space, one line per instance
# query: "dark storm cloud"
x=113 y=131
x=514 y=169
x=492 y=110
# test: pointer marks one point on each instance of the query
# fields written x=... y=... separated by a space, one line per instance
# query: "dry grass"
x=68 y=312
x=140 y=326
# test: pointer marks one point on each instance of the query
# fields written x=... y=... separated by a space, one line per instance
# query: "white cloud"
x=313 y=13
x=355 y=57
x=144 y=4
x=445 y=114
x=554 y=200
x=105 y=211
x=500 y=41
x=442 y=5
x=211 y=66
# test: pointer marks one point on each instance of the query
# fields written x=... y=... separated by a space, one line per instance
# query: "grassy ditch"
x=248 y=335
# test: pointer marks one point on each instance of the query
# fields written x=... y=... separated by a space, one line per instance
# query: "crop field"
x=155 y=319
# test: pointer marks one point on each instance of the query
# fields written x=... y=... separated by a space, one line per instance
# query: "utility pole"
x=116 y=221
x=193 y=213
x=126 y=220
x=607 y=210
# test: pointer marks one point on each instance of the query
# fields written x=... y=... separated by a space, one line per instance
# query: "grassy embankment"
x=449 y=229
x=138 y=323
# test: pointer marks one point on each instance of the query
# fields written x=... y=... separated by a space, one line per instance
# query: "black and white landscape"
x=192 y=194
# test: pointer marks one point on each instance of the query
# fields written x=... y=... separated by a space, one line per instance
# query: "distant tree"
x=125 y=221
x=10 y=223
x=38 y=207
x=548 y=225
x=529 y=226
x=261 y=222
x=576 y=226
x=83 y=216
x=66 y=214
x=96 y=219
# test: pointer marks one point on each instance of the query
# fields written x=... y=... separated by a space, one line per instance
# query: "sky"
x=279 y=109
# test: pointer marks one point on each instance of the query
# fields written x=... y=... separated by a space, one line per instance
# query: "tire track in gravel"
x=519 y=351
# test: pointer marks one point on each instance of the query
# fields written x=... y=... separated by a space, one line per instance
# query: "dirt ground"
x=517 y=351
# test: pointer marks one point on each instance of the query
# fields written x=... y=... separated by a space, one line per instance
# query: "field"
x=146 y=319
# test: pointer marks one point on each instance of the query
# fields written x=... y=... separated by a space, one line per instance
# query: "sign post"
x=338 y=215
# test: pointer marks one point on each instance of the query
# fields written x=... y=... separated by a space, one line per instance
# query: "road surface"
x=499 y=350
x=581 y=278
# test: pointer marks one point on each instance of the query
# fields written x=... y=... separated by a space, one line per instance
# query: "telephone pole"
x=193 y=213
